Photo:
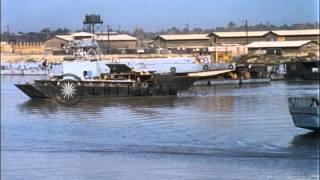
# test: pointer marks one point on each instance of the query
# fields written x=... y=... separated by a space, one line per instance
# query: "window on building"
x=274 y=51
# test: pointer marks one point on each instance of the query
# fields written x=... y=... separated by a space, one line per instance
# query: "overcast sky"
x=153 y=15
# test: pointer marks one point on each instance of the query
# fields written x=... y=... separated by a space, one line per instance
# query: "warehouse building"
x=240 y=37
x=57 y=44
x=284 y=48
x=297 y=35
x=22 y=47
x=117 y=43
x=243 y=37
x=225 y=52
x=182 y=42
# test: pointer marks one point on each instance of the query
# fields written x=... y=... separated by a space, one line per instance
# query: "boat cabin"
x=307 y=70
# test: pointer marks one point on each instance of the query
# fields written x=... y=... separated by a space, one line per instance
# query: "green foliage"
x=142 y=35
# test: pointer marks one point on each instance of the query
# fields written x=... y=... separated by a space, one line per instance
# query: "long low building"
x=239 y=37
x=296 y=35
x=112 y=42
x=284 y=48
x=243 y=37
x=182 y=41
x=117 y=42
x=198 y=42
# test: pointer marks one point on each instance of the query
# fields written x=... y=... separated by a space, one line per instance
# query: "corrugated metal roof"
x=185 y=37
x=297 y=32
x=113 y=37
x=241 y=34
x=116 y=37
x=83 y=34
x=65 y=37
x=277 y=44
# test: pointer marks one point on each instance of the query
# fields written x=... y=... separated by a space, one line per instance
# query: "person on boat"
x=85 y=75
x=198 y=58
x=45 y=63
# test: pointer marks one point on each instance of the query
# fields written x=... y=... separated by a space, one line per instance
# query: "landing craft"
x=305 y=112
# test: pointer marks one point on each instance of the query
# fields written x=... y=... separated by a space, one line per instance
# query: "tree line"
x=141 y=34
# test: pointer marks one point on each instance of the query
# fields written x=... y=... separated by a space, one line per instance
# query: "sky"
x=153 y=15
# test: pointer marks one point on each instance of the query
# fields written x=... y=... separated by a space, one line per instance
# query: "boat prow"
x=305 y=112
x=31 y=91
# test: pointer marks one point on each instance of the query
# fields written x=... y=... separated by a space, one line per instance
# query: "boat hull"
x=306 y=121
x=162 y=86
x=305 y=112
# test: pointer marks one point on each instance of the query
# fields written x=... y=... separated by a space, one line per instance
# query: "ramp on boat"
x=209 y=73
x=31 y=91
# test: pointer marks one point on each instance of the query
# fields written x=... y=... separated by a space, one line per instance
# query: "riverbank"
x=59 y=58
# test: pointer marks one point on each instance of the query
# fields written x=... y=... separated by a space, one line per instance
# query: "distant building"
x=120 y=43
x=240 y=37
x=182 y=42
x=284 y=48
x=22 y=47
x=57 y=44
x=225 y=52
x=5 y=47
x=243 y=37
x=113 y=42
x=296 y=35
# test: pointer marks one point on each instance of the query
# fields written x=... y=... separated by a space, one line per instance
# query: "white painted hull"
x=181 y=65
x=11 y=72
x=23 y=68
x=24 y=72
x=35 y=72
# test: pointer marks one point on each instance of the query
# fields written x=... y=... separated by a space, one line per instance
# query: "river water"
x=226 y=132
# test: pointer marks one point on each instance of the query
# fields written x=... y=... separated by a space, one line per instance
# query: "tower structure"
x=93 y=23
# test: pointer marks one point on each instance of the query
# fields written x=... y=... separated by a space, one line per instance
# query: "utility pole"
x=246 y=26
x=119 y=28
x=8 y=33
x=187 y=28
x=108 y=35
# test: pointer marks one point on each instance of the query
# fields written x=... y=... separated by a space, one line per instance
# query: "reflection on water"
x=308 y=141
x=226 y=133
